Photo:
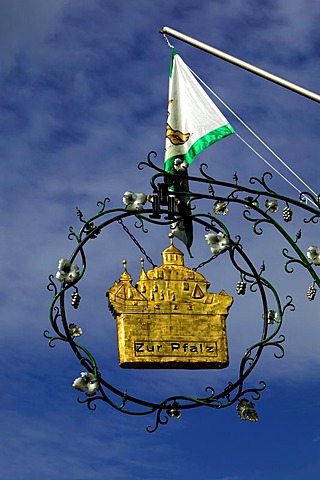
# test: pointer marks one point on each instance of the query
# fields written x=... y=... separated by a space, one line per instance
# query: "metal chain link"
x=135 y=241
x=202 y=264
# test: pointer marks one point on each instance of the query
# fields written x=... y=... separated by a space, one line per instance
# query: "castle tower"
x=172 y=255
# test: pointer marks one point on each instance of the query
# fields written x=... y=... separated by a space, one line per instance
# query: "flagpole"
x=240 y=63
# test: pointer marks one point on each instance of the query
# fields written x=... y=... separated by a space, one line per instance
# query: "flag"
x=194 y=122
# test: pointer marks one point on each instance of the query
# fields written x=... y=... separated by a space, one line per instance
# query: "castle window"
x=185 y=285
x=197 y=292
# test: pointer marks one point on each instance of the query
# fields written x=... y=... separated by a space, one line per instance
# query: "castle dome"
x=172 y=255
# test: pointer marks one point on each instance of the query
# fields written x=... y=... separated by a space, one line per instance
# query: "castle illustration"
x=169 y=319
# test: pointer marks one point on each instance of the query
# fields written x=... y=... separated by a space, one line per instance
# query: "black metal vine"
x=260 y=206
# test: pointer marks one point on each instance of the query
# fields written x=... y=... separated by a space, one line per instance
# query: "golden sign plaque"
x=169 y=319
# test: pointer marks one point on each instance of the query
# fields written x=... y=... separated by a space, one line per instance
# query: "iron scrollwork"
x=260 y=206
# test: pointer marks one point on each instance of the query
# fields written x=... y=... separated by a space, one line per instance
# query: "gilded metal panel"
x=169 y=319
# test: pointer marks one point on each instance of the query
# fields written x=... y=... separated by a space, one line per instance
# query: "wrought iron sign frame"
x=261 y=204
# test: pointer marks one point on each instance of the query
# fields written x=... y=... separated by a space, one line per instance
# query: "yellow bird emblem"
x=176 y=137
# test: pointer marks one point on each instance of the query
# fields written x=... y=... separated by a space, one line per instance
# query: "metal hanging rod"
x=240 y=63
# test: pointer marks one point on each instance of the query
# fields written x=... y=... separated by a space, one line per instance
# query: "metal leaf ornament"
x=180 y=165
x=313 y=254
x=272 y=205
x=87 y=383
x=67 y=272
x=74 y=330
x=218 y=242
x=246 y=410
x=134 y=201
x=220 y=208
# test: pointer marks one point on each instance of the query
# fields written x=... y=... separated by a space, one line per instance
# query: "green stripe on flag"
x=202 y=143
x=171 y=63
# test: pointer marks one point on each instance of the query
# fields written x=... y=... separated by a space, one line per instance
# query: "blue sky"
x=83 y=99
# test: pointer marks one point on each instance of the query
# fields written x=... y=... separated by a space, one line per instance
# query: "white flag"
x=194 y=121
